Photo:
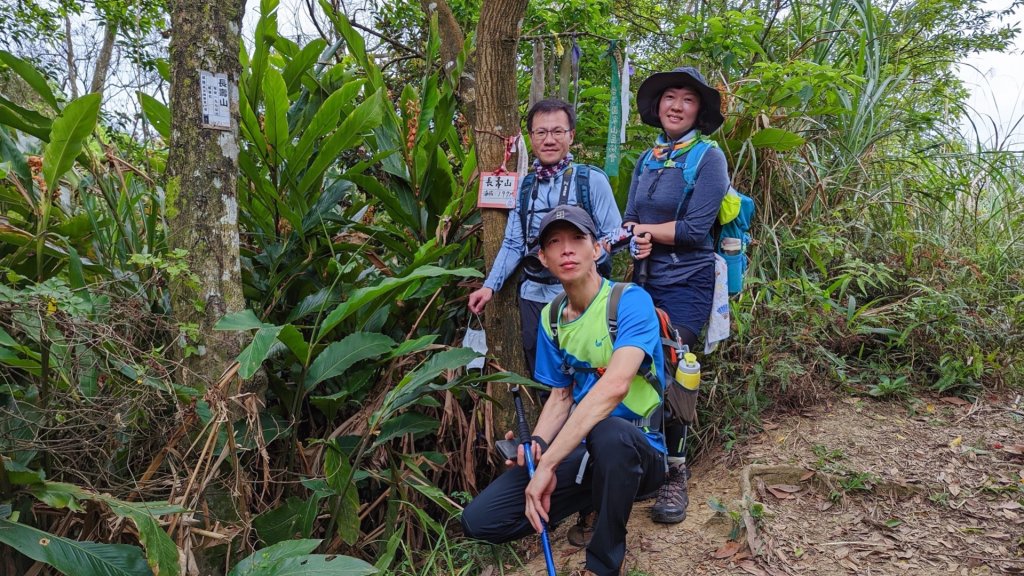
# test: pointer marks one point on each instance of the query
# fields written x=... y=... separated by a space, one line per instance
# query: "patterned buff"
x=549 y=172
x=664 y=153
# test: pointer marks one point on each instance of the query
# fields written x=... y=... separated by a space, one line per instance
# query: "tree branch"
x=70 y=51
x=316 y=23
x=99 y=75
x=452 y=38
x=389 y=40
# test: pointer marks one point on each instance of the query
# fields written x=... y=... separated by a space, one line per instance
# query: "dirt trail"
x=868 y=488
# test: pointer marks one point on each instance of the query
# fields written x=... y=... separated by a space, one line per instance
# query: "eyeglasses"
x=557 y=133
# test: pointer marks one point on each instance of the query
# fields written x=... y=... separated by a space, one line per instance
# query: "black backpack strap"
x=526 y=191
x=553 y=313
x=612 y=313
x=651 y=375
x=583 y=189
x=613 y=309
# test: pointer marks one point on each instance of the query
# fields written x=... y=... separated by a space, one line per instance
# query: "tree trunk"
x=69 y=48
x=99 y=76
x=497 y=116
x=452 y=42
x=202 y=168
x=491 y=106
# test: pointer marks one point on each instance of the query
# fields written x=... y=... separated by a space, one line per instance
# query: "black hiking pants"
x=529 y=317
x=620 y=465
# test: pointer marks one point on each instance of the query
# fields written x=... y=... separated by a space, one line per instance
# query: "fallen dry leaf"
x=954 y=489
x=807 y=475
x=1017 y=449
x=955 y=401
x=751 y=568
x=787 y=488
x=780 y=494
x=850 y=565
x=905 y=554
x=728 y=550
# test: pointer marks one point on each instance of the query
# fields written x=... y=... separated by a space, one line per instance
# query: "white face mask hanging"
x=476 y=340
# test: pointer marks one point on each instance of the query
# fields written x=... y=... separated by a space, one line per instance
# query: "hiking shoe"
x=580 y=534
x=670 y=508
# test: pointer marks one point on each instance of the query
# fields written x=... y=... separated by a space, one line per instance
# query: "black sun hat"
x=574 y=215
x=649 y=95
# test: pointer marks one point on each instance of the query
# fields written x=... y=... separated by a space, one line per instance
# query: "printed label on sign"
x=498 y=190
x=213 y=90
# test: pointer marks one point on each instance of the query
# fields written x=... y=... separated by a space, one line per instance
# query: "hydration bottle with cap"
x=688 y=371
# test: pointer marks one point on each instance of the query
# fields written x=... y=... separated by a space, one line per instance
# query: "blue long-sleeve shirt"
x=513 y=247
x=655 y=199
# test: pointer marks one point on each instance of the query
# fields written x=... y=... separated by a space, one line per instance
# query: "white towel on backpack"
x=718 y=324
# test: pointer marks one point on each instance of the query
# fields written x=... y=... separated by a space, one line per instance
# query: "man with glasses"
x=555 y=181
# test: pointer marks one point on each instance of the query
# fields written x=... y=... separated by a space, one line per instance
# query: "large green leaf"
x=340 y=478
x=292 y=338
x=341 y=355
x=321 y=565
x=33 y=122
x=412 y=384
x=258 y=562
x=33 y=77
x=777 y=139
x=250 y=360
x=266 y=33
x=293 y=558
x=408 y=423
x=68 y=135
x=292 y=519
x=360 y=298
x=11 y=118
x=364 y=118
x=73 y=557
x=275 y=95
x=10 y=153
x=250 y=127
x=161 y=552
x=326 y=119
x=315 y=302
x=158 y=115
x=391 y=199
x=302 y=63
x=241 y=320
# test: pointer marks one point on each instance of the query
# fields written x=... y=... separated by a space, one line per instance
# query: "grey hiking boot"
x=670 y=508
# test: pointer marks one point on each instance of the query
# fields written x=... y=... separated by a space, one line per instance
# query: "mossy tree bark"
x=202 y=171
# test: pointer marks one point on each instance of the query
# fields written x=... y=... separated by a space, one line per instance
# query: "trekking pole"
x=641 y=265
x=524 y=439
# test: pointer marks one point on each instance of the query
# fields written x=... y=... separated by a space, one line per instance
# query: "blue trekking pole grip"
x=524 y=439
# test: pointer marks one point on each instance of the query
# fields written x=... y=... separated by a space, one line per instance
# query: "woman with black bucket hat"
x=674 y=198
